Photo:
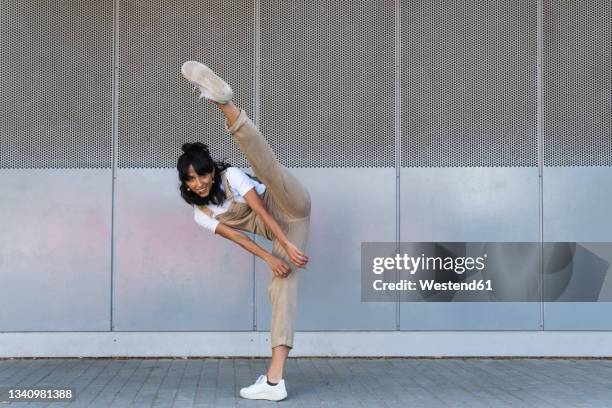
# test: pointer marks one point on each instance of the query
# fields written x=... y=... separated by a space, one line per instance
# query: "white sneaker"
x=211 y=85
x=261 y=390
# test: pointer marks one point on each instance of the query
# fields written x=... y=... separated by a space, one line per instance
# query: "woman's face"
x=200 y=185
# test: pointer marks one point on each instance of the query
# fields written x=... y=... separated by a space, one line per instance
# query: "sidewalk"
x=320 y=382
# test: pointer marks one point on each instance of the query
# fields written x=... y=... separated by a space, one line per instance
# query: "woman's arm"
x=277 y=265
x=256 y=203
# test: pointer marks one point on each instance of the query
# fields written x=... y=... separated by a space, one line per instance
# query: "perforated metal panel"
x=157 y=110
x=327 y=82
x=56 y=82
x=469 y=90
x=577 y=83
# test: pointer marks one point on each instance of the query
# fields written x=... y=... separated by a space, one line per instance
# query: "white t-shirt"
x=240 y=184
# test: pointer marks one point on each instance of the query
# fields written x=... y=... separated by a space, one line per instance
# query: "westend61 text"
x=432 y=285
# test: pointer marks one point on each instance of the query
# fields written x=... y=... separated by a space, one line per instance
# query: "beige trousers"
x=288 y=201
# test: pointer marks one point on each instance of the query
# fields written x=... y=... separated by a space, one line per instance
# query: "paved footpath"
x=320 y=382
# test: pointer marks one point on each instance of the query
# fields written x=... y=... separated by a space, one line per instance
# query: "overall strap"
x=206 y=210
x=228 y=191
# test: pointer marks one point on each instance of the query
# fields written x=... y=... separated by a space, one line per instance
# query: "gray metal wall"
x=411 y=121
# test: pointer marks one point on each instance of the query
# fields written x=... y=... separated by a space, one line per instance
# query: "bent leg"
x=285 y=188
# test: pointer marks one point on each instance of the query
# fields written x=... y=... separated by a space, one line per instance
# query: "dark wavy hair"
x=198 y=155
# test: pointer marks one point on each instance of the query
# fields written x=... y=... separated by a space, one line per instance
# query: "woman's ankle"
x=274 y=378
x=230 y=110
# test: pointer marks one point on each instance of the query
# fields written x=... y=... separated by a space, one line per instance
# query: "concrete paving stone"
x=320 y=382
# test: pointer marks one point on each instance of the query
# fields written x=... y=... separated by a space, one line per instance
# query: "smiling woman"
x=200 y=175
x=226 y=201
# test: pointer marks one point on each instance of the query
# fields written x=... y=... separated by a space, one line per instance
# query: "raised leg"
x=285 y=188
x=230 y=110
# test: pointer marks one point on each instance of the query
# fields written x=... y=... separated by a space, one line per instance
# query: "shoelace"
x=202 y=93
x=195 y=88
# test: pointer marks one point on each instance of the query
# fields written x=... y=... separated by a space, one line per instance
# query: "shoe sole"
x=211 y=85
x=269 y=398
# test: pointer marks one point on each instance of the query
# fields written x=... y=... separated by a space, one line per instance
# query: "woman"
x=274 y=205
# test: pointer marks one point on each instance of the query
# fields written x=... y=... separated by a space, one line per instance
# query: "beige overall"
x=288 y=201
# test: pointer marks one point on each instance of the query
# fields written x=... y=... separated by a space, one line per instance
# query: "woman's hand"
x=278 y=266
x=298 y=258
